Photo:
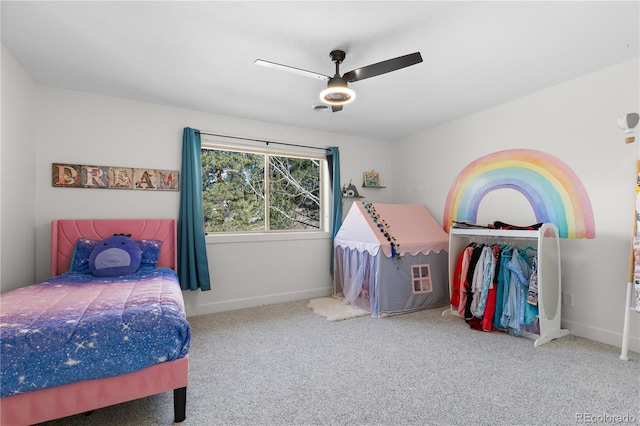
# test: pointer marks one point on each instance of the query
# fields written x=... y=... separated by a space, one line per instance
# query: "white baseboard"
x=250 y=302
x=600 y=335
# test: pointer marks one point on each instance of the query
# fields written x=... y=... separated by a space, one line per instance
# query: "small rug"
x=335 y=309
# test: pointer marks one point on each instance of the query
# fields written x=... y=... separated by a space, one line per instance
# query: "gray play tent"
x=391 y=259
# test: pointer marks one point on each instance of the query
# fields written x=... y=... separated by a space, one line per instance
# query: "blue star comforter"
x=75 y=327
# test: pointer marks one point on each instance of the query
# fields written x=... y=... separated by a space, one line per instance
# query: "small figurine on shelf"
x=350 y=191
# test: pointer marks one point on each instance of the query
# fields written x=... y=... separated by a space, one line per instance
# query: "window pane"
x=232 y=191
x=294 y=193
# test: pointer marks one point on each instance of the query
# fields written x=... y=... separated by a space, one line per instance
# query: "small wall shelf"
x=373 y=186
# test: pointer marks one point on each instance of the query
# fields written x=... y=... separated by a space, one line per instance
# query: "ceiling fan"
x=337 y=92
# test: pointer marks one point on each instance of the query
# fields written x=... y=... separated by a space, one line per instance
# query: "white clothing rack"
x=546 y=241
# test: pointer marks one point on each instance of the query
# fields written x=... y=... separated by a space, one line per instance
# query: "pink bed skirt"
x=75 y=398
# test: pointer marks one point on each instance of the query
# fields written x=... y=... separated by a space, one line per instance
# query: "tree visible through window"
x=256 y=192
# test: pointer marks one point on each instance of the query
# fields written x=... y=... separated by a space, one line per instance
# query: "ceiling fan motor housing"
x=338 y=91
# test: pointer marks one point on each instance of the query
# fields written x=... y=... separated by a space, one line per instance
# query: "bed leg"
x=180 y=404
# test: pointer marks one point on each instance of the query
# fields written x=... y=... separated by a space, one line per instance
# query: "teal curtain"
x=336 y=210
x=193 y=269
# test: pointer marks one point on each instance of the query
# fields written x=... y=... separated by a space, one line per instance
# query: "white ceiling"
x=200 y=55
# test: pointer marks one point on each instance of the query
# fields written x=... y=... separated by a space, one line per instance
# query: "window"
x=421 y=279
x=253 y=191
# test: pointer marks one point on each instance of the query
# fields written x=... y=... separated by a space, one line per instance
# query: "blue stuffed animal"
x=116 y=255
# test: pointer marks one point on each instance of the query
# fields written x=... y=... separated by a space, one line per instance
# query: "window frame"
x=286 y=234
x=421 y=279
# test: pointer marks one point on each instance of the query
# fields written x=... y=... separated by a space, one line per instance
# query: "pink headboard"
x=65 y=233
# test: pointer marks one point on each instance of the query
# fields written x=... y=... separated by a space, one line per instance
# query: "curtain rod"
x=262 y=140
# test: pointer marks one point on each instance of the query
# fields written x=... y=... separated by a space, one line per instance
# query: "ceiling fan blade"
x=291 y=69
x=336 y=108
x=383 y=67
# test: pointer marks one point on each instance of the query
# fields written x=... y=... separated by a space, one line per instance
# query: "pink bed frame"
x=61 y=401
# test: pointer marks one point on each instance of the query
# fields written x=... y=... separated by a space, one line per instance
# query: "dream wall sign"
x=552 y=189
x=80 y=176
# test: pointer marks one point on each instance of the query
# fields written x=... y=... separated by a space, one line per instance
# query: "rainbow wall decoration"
x=551 y=187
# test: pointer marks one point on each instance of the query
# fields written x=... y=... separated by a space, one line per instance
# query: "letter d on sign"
x=65 y=175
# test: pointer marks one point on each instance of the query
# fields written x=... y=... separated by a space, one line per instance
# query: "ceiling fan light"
x=337 y=93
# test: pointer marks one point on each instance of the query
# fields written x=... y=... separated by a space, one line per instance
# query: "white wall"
x=81 y=128
x=17 y=175
x=575 y=122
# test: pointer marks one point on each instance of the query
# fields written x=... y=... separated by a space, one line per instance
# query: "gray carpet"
x=282 y=365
